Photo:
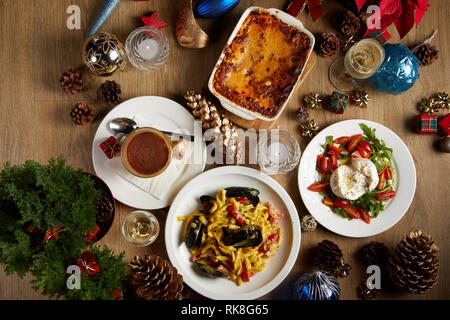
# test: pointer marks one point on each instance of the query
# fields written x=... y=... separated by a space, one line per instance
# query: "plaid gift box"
x=426 y=124
x=444 y=125
x=380 y=36
x=337 y=102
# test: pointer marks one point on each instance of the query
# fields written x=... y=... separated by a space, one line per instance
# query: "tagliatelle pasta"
x=232 y=237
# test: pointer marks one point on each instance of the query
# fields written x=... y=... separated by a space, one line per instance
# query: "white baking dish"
x=233 y=107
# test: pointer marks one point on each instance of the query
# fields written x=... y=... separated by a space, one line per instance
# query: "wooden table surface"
x=37 y=48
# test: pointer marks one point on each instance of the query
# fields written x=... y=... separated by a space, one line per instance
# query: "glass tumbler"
x=278 y=152
x=147 y=48
x=140 y=228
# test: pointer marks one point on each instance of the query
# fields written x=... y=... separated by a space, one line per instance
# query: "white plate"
x=163 y=114
x=394 y=209
x=187 y=201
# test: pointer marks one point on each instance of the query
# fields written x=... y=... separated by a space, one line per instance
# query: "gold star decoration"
x=360 y=98
x=313 y=101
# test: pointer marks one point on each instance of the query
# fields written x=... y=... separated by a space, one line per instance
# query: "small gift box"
x=426 y=124
x=444 y=125
x=111 y=147
x=87 y=263
x=337 y=102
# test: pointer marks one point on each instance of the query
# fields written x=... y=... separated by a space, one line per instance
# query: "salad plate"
x=277 y=267
x=365 y=213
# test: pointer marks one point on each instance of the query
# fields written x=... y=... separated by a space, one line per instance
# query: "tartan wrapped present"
x=444 y=125
x=337 y=102
x=426 y=124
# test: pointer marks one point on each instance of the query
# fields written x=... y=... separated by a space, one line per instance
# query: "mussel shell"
x=248 y=236
x=245 y=192
x=208 y=270
x=194 y=234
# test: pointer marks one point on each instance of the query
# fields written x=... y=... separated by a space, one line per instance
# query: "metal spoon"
x=127 y=125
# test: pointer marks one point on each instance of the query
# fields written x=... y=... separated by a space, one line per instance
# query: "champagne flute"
x=360 y=62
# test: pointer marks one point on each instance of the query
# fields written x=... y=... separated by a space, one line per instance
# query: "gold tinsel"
x=360 y=98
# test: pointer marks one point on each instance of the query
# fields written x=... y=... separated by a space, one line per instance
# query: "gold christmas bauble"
x=103 y=54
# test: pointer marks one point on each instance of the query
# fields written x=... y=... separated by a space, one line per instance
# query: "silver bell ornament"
x=103 y=54
x=317 y=286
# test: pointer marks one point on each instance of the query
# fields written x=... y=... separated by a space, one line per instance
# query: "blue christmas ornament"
x=398 y=72
x=317 y=286
x=214 y=8
x=105 y=12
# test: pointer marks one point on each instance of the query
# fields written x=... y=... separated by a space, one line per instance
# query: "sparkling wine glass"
x=360 y=62
x=140 y=228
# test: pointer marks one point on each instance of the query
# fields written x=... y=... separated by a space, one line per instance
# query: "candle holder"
x=147 y=48
x=140 y=228
x=278 y=152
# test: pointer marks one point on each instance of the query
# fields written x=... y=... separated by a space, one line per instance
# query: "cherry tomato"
x=354 y=140
x=334 y=161
x=388 y=173
x=353 y=213
x=328 y=202
x=381 y=181
x=363 y=152
x=243 y=200
x=335 y=149
x=324 y=166
x=319 y=186
x=386 y=195
x=343 y=204
x=318 y=160
x=342 y=140
x=364 y=215
x=244 y=275
x=366 y=145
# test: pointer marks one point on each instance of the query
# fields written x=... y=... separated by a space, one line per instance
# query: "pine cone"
x=153 y=278
x=426 y=54
x=72 y=81
x=82 y=114
x=414 y=265
x=109 y=92
x=328 y=44
x=374 y=253
x=301 y=115
x=328 y=257
x=104 y=209
x=350 y=24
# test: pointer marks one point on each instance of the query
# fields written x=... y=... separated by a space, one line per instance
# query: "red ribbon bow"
x=87 y=263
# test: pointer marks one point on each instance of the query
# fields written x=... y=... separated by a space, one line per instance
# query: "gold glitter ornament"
x=360 y=98
x=313 y=101
x=309 y=128
x=308 y=223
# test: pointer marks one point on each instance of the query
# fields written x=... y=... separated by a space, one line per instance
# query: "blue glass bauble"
x=317 y=286
x=398 y=72
x=214 y=8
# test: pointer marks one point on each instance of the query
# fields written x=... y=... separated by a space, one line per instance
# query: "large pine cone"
x=427 y=54
x=109 y=92
x=328 y=257
x=72 y=81
x=153 y=278
x=82 y=114
x=350 y=24
x=328 y=44
x=414 y=266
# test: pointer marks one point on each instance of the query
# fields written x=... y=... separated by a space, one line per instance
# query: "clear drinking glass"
x=140 y=228
x=360 y=62
x=278 y=152
x=147 y=48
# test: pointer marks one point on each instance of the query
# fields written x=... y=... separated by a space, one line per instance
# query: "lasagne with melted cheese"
x=262 y=64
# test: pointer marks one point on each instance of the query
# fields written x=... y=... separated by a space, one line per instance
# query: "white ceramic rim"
x=395 y=209
x=235 y=108
x=272 y=184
